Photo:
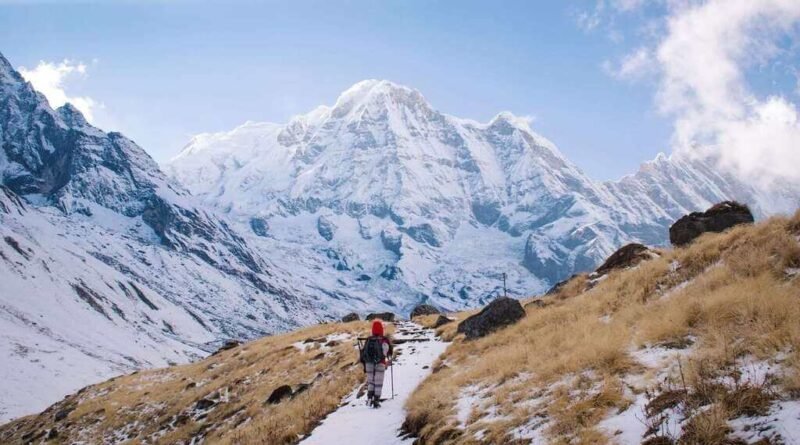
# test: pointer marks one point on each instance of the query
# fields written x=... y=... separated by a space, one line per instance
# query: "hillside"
x=693 y=345
x=699 y=345
x=106 y=265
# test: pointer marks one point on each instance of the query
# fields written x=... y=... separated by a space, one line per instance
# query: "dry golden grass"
x=729 y=292
x=159 y=406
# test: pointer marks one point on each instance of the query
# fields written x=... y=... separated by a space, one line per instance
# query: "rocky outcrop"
x=229 y=344
x=626 y=256
x=259 y=226
x=716 y=219
x=385 y=316
x=326 y=228
x=424 y=309
x=500 y=312
x=350 y=317
x=392 y=241
x=279 y=394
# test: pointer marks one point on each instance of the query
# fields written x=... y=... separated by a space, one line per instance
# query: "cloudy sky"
x=612 y=82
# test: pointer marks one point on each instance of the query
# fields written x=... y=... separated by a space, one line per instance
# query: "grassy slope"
x=161 y=406
x=566 y=366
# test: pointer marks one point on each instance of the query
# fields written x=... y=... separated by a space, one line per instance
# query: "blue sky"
x=165 y=70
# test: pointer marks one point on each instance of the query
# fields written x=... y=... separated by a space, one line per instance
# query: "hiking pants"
x=375 y=378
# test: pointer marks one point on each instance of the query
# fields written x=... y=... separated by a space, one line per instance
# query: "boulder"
x=501 y=312
x=350 y=317
x=385 y=316
x=279 y=394
x=441 y=321
x=63 y=414
x=424 y=309
x=229 y=344
x=628 y=255
x=718 y=218
x=204 y=404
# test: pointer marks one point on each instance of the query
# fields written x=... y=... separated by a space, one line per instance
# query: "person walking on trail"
x=376 y=356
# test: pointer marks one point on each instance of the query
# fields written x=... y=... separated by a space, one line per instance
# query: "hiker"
x=376 y=356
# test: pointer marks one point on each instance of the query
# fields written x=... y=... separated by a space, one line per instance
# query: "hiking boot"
x=376 y=402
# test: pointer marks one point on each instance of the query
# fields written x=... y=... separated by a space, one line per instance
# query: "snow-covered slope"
x=381 y=184
x=106 y=266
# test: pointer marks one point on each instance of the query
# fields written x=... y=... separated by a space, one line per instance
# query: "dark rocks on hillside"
x=279 y=394
x=63 y=414
x=385 y=316
x=628 y=255
x=259 y=226
x=441 y=321
x=350 y=317
x=424 y=309
x=326 y=228
x=392 y=241
x=204 y=404
x=390 y=272
x=229 y=344
x=500 y=312
x=486 y=213
x=718 y=218
x=423 y=233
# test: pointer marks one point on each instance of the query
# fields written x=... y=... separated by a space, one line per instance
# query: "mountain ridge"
x=383 y=156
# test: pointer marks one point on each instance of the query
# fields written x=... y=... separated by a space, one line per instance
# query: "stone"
x=626 y=256
x=385 y=316
x=499 y=313
x=424 y=309
x=279 y=394
x=716 y=219
x=350 y=317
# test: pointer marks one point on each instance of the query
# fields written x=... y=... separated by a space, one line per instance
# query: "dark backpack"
x=373 y=350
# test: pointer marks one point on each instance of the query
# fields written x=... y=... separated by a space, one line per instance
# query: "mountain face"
x=385 y=196
x=106 y=265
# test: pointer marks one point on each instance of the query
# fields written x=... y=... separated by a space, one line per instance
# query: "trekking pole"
x=391 y=372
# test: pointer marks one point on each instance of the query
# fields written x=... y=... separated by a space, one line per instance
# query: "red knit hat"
x=377 y=327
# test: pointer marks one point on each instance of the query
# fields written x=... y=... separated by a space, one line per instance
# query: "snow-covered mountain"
x=106 y=265
x=385 y=196
x=376 y=203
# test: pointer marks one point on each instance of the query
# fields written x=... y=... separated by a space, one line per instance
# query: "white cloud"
x=700 y=54
x=634 y=66
x=704 y=87
x=49 y=79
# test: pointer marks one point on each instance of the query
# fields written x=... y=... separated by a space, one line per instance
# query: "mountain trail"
x=354 y=423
